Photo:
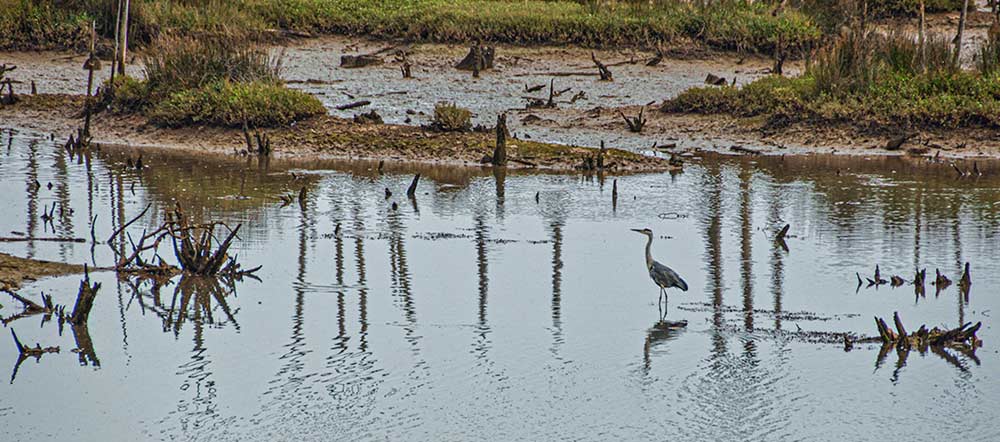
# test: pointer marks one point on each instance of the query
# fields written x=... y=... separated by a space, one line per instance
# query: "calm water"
x=479 y=313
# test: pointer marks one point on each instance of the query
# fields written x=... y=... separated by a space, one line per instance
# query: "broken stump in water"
x=84 y=299
x=635 y=124
x=500 y=150
x=411 y=192
x=603 y=70
x=479 y=58
x=715 y=80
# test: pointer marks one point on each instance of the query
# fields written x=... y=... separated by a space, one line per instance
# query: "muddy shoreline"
x=14 y=270
x=312 y=65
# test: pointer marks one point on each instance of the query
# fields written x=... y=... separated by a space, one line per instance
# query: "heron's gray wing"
x=665 y=277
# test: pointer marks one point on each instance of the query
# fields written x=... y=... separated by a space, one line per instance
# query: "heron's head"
x=644 y=231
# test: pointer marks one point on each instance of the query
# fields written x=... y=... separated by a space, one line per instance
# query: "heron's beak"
x=636 y=230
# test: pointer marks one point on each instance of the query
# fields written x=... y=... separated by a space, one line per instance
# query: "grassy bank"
x=219 y=81
x=871 y=81
x=729 y=25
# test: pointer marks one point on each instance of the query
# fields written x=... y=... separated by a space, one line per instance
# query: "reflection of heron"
x=662 y=331
x=663 y=276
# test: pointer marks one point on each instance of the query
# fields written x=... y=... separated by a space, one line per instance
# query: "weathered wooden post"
x=500 y=150
x=92 y=64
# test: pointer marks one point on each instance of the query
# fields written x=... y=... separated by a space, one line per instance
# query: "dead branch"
x=353 y=105
x=29 y=239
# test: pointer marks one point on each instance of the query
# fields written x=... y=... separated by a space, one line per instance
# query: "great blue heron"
x=663 y=276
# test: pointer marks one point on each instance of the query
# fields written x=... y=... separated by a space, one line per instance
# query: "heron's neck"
x=649 y=255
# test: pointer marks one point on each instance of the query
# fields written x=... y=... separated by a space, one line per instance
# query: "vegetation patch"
x=259 y=104
x=756 y=26
x=221 y=81
x=450 y=118
x=871 y=80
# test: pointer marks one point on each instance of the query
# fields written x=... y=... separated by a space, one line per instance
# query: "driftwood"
x=962 y=338
x=353 y=105
x=193 y=246
x=43 y=239
x=31 y=308
x=746 y=150
x=359 y=61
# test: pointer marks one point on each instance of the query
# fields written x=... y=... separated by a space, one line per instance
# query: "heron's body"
x=663 y=276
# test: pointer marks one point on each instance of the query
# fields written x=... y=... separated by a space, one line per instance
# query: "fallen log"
x=963 y=337
x=359 y=61
x=353 y=105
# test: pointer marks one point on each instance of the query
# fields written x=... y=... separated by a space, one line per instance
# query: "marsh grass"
x=868 y=80
x=187 y=63
x=729 y=24
x=451 y=118
x=213 y=80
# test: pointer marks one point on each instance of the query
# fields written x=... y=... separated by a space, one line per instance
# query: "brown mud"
x=318 y=138
x=15 y=270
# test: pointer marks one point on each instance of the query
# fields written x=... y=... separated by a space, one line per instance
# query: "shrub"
x=450 y=118
x=224 y=103
x=127 y=95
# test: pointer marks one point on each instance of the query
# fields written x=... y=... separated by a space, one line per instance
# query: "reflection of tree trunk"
x=777 y=262
x=500 y=178
x=713 y=245
x=81 y=334
x=557 y=265
x=65 y=227
x=957 y=240
x=359 y=254
x=482 y=265
x=746 y=248
x=32 y=184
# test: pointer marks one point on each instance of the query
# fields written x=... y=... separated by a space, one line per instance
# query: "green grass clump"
x=188 y=63
x=450 y=118
x=213 y=80
x=870 y=80
x=224 y=103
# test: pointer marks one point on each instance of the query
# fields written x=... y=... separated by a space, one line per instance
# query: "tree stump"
x=500 y=150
